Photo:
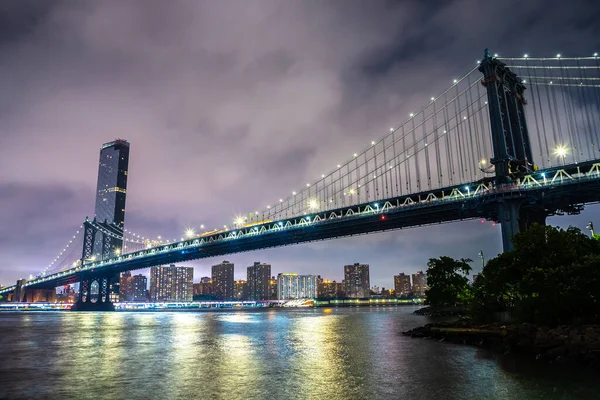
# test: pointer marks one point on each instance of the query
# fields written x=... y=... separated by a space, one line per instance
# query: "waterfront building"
x=402 y=285
x=356 y=279
x=330 y=289
x=222 y=280
x=171 y=283
x=293 y=286
x=419 y=283
x=139 y=287
x=259 y=281
x=273 y=288
x=240 y=290
x=125 y=289
x=66 y=295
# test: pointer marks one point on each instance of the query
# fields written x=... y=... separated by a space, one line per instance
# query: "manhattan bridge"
x=513 y=141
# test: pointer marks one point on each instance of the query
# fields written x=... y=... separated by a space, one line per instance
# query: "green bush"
x=447 y=281
x=551 y=277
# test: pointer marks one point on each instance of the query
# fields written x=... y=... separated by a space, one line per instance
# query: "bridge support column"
x=102 y=300
x=514 y=219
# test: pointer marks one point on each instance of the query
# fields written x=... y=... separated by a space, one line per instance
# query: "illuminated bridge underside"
x=560 y=189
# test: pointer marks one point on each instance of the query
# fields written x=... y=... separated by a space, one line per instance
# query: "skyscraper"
x=293 y=286
x=111 y=191
x=112 y=182
x=171 y=283
x=356 y=279
x=222 y=280
x=419 y=283
x=402 y=285
x=259 y=281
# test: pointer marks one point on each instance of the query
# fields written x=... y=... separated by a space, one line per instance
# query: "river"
x=345 y=353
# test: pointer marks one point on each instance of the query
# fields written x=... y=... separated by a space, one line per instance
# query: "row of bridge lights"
x=560 y=151
x=527 y=56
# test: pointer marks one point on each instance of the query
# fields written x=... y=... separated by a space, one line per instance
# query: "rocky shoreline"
x=441 y=312
x=562 y=344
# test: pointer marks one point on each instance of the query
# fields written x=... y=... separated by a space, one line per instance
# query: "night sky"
x=230 y=105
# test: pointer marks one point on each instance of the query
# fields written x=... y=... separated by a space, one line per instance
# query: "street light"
x=590 y=227
x=480 y=254
x=561 y=151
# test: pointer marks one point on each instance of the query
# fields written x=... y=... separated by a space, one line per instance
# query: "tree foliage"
x=447 y=281
x=551 y=277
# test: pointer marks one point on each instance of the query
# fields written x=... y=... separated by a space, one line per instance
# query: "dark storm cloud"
x=231 y=105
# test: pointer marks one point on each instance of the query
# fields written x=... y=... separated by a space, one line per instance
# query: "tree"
x=552 y=277
x=447 y=281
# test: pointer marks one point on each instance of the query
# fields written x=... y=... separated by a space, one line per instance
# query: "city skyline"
x=295 y=109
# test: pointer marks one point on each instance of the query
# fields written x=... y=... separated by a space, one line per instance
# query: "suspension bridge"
x=513 y=141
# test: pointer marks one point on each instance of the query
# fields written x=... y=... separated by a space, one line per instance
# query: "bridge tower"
x=511 y=144
x=94 y=288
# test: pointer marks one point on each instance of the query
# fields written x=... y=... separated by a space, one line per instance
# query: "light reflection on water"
x=355 y=353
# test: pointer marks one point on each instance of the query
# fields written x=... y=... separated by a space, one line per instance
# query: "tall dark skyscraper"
x=111 y=190
x=112 y=182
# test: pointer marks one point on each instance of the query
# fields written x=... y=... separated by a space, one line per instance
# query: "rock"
x=557 y=351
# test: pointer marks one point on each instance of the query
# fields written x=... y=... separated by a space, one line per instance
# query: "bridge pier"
x=94 y=293
x=515 y=218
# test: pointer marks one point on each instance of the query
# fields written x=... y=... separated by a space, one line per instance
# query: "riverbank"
x=562 y=344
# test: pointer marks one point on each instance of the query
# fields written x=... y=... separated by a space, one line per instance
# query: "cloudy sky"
x=230 y=105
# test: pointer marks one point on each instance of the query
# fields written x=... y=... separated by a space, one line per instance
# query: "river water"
x=345 y=353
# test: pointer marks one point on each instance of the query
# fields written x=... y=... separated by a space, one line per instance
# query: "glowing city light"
x=526 y=56
x=561 y=151
x=313 y=204
x=189 y=233
x=239 y=220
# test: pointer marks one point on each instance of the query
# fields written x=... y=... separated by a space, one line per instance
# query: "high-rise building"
x=273 y=288
x=240 y=290
x=356 y=279
x=419 y=283
x=259 y=281
x=293 y=286
x=112 y=182
x=111 y=192
x=171 y=283
x=139 y=287
x=222 y=280
x=402 y=285
x=125 y=288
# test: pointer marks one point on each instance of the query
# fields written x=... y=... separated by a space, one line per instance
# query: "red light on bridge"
x=383 y=217
x=483 y=221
